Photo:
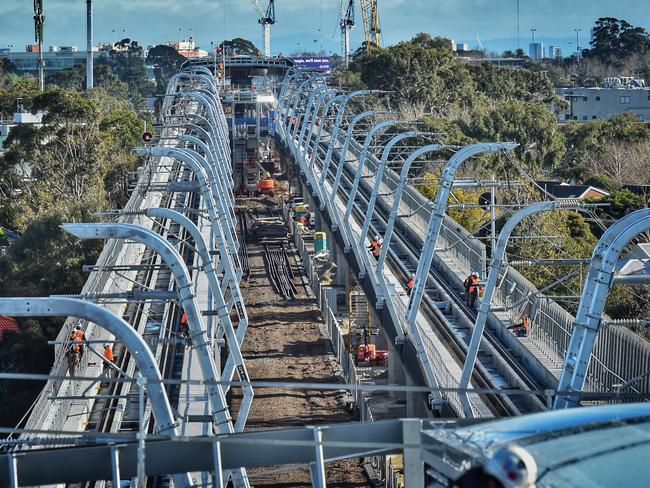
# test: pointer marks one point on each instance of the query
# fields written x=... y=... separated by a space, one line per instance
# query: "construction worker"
x=73 y=350
x=108 y=355
x=409 y=284
x=471 y=289
x=375 y=246
x=509 y=467
x=184 y=330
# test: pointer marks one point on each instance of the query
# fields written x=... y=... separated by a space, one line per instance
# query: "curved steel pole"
x=218 y=404
x=344 y=153
x=333 y=97
x=221 y=151
x=217 y=183
x=222 y=309
x=303 y=116
x=498 y=259
x=362 y=159
x=190 y=158
x=592 y=303
x=437 y=215
x=232 y=266
x=72 y=307
x=334 y=136
x=308 y=112
x=221 y=164
x=378 y=180
x=321 y=126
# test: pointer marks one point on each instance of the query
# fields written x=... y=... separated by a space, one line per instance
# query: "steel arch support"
x=310 y=135
x=437 y=215
x=337 y=126
x=362 y=159
x=344 y=152
x=592 y=303
x=315 y=95
x=65 y=307
x=498 y=258
x=378 y=179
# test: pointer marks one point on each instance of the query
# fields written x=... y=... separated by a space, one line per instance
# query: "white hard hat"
x=474 y=273
x=376 y=237
x=513 y=466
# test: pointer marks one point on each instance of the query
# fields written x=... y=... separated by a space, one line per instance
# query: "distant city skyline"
x=308 y=25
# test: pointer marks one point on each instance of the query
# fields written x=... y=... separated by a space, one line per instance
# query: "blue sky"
x=301 y=22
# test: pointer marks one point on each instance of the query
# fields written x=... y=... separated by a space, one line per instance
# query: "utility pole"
x=518 y=42
x=39 y=20
x=577 y=42
x=89 y=45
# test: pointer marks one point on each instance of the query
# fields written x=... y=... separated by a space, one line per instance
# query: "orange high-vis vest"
x=108 y=354
x=473 y=284
x=183 y=318
x=410 y=283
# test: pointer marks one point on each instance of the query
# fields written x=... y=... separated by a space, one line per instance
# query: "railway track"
x=279 y=270
x=117 y=408
x=403 y=258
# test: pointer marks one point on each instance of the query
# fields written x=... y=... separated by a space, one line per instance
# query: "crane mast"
x=347 y=24
x=267 y=19
x=371 y=27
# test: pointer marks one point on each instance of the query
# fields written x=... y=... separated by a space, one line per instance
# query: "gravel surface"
x=283 y=343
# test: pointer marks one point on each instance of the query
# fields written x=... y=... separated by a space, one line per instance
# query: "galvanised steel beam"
x=344 y=153
x=357 y=177
x=592 y=303
x=498 y=259
x=235 y=357
x=249 y=449
x=335 y=132
x=203 y=348
x=70 y=307
x=333 y=98
x=414 y=331
x=437 y=216
x=315 y=94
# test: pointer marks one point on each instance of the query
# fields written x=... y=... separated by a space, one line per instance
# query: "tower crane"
x=347 y=24
x=371 y=27
x=267 y=19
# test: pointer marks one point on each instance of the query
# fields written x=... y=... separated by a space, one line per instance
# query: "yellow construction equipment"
x=371 y=27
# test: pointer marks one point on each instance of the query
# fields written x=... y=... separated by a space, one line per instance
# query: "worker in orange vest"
x=185 y=329
x=108 y=355
x=375 y=246
x=409 y=284
x=471 y=289
x=73 y=349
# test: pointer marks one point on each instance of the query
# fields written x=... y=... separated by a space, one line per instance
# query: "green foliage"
x=614 y=39
x=166 y=60
x=602 y=181
x=238 y=46
x=12 y=90
x=505 y=84
x=531 y=125
x=584 y=140
x=417 y=75
x=6 y=66
x=621 y=203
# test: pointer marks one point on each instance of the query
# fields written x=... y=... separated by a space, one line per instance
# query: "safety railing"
x=382 y=465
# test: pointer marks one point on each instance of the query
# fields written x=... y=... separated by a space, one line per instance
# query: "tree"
x=416 y=75
x=6 y=66
x=614 y=39
x=530 y=124
x=166 y=60
x=238 y=46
